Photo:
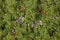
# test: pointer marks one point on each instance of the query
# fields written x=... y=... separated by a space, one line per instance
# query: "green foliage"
x=20 y=19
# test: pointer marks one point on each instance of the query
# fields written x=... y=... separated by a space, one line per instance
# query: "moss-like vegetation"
x=29 y=19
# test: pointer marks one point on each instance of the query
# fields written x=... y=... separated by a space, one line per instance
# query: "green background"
x=31 y=10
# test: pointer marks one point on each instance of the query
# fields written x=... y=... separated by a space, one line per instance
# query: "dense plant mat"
x=29 y=19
